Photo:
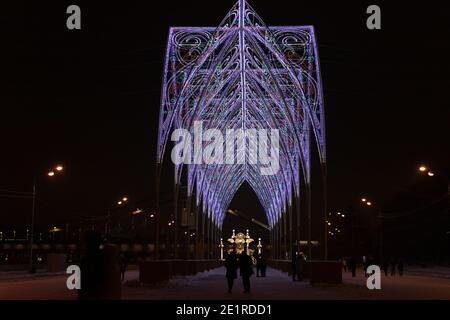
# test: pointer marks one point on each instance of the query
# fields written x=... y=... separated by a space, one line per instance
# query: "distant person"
x=260 y=266
x=365 y=265
x=246 y=270
x=300 y=266
x=344 y=264
x=294 y=266
x=123 y=266
x=393 y=267
x=263 y=267
x=352 y=265
x=400 y=267
x=386 y=267
x=91 y=265
x=231 y=264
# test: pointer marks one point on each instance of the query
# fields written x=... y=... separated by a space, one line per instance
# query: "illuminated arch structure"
x=244 y=74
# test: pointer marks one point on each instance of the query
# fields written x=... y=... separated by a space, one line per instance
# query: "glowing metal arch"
x=244 y=74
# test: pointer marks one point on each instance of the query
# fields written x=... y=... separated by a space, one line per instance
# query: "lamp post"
x=221 y=248
x=259 y=246
x=57 y=169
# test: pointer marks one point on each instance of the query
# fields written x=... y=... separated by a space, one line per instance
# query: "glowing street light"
x=369 y=203
x=56 y=169
x=430 y=174
x=363 y=199
x=422 y=168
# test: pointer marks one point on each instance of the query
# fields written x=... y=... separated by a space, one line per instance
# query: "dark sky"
x=89 y=99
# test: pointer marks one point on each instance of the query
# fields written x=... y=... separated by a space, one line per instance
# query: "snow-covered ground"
x=212 y=285
x=277 y=285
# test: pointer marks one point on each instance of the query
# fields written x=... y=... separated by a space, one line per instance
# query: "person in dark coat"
x=231 y=264
x=260 y=266
x=300 y=266
x=386 y=267
x=400 y=267
x=123 y=265
x=91 y=265
x=294 y=266
x=263 y=266
x=352 y=265
x=246 y=270
x=393 y=267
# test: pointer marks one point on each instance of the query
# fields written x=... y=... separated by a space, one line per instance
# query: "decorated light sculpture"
x=244 y=75
x=241 y=242
x=259 y=246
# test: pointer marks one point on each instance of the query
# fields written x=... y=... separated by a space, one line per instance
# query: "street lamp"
x=58 y=168
x=122 y=201
x=422 y=168
x=431 y=174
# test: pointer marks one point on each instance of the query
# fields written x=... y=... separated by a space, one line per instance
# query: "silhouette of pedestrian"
x=263 y=266
x=344 y=264
x=260 y=266
x=123 y=266
x=300 y=266
x=294 y=266
x=231 y=264
x=400 y=267
x=386 y=267
x=392 y=267
x=352 y=265
x=246 y=270
x=365 y=265
x=91 y=264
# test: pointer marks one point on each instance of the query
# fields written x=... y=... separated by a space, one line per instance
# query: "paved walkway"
x=277 y=285
x=212 y=285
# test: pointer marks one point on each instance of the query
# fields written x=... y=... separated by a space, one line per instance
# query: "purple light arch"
x=244 y=74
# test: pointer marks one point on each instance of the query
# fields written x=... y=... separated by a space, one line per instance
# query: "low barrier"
x=317 y=271
x=154 y=271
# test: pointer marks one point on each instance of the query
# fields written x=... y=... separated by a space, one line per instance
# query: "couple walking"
x=244 y=263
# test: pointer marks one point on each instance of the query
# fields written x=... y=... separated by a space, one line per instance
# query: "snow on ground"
x=212 y=285
x=277 y=285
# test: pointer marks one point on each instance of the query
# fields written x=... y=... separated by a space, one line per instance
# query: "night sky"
x=89 y=99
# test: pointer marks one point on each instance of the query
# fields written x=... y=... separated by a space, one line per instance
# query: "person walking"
x=246 y=270
x=352 y=265
x=393 y=267
x=386 y=267
x=365 y=265
x=123 y=266
x=300 y=266
x=263 y=266
x=258 y=265
x=231 y=264
x=400 y=267
x=294 y=266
